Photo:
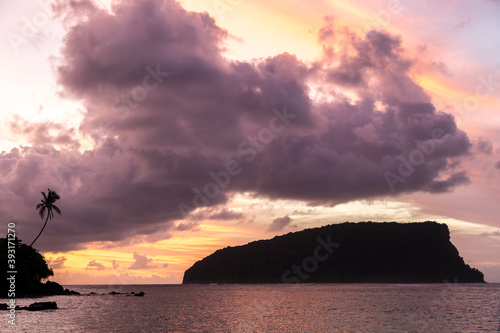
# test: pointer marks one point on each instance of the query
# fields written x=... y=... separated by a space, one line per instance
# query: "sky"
x=172 y=129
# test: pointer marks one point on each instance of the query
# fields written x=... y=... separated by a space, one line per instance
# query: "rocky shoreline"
x=39 y=306
x=48 y=288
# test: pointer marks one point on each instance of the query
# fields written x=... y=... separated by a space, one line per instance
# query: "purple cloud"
x=495 y=233
x=57 y=263
x=484 y=145
x=192 y=225
x=94 y=265
x=212 y=213
x=280 y=223
x=175 y=124
x=141 y=262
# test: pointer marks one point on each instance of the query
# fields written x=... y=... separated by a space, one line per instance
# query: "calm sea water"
x=270 y=308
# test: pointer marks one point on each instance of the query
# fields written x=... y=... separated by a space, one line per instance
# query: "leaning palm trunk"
x=47 y=204
x=46 y=220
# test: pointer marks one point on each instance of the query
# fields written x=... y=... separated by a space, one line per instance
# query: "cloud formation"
x=174 y=123
x=94 y=265
x=279 y=223
x=493 y=233
x=141 y=262
x=212 y=213
x=484 y=145
x=57 y=263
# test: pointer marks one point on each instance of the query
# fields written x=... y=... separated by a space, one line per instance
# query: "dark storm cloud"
x=174 y=121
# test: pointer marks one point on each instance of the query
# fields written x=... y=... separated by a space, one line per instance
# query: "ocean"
x=445 y=307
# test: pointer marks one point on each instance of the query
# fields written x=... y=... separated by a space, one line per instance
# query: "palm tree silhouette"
x=47 y=204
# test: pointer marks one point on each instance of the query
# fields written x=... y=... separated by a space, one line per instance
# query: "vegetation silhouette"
x=364 y=252
x=47 y=204
x=32 y=270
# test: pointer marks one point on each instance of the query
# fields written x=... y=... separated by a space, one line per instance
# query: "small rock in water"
x=38 y=306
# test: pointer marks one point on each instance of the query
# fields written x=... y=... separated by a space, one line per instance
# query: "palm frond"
x=55 y=196
x=58 y=211
x=41 y=212
x=47 y=204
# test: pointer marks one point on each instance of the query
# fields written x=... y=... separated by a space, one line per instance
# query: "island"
x=363 y=252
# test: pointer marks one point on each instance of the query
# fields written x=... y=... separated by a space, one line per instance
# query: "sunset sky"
x=172 y=129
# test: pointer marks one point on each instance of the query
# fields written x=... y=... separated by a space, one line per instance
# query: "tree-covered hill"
x=31 y=270
x=348 y=252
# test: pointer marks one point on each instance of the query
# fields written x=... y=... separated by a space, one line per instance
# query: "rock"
x=39 y=306
x=71 y=292
x=127 y=294
x=50 y=288
x=54 y=288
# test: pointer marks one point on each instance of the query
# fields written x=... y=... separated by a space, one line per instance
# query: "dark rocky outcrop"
x=50 y=288
x=349 y=252
x=141 y=293
x=37 y=306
